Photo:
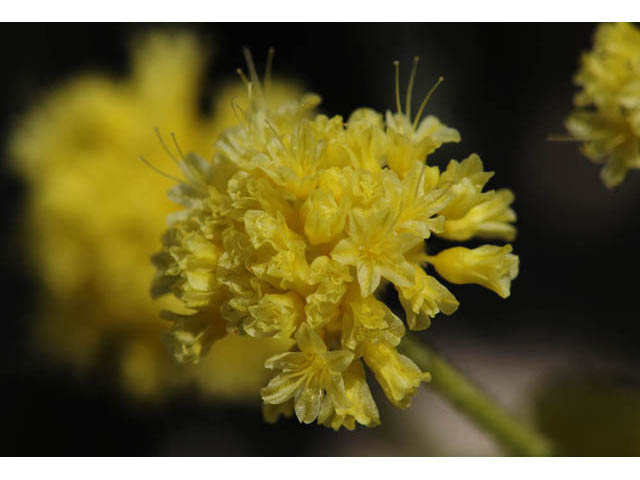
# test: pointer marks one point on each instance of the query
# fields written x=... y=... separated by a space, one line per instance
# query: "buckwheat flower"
x=490 y=266
x=95 y=214
x=362 y=408
x=398 y=376
x=612 y=137
x=607 y=113
x=472 y=212
x=296 y=222
x=375 y=250
x=308 y=375
x=424 y=299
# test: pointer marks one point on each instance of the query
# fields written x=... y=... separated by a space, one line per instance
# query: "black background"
x=507 y=87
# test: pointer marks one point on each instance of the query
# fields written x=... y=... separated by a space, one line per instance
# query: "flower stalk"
x=514 y=436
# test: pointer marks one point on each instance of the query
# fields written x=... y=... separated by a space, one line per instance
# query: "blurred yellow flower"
x=95 y=215
x=607 y=114
x=298 y=220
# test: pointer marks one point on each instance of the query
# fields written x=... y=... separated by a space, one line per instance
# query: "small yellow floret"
x=424 y=299
x=472 y=212
x=398 y=376
x=490 y=266
x=313 y=376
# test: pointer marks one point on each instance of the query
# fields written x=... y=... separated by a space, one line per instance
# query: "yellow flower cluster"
x=607 y=117
x=298 y=220
x=95 y=214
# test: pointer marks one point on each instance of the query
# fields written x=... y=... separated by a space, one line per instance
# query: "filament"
x=253 y=74
x=412 y=77
x=175 y=142
x=164 y=146
x=243 y=77
x=425 y=101
x=158 y=171
x=396 y=66
x=267 y=70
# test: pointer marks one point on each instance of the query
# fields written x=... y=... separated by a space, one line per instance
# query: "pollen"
x=296 y=223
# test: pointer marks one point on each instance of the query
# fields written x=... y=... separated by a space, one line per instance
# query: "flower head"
x=304 y=218
x=607 y=114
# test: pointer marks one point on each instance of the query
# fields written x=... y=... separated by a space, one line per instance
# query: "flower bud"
x=490 y=266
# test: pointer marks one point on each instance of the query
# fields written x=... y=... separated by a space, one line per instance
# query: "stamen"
x=561 y=138
x=396 y=66
x=250 y=93
x=275 y=132
x=243 y=77
x=235 y=106
x=166 y=149
x=267 y=70
x=158 y=171
x=412 y=77
x=175 y=142
x=253 y=74
x=425 y=101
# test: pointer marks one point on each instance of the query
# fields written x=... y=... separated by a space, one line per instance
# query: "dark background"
x=507 y=87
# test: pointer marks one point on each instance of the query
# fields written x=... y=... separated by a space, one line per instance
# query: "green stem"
x=467 y=398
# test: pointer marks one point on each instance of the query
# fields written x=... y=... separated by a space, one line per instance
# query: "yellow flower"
x=367 y=319
x=490 y=266
x=323 y=305
x=612 y=137
x=424 y=299
x=472 y=212
x=612 y=67
x=95 y=214
x=398 y=376
x=607 y=114
x=362 y=407
x=308 y=375
x=305 y=218
x=375 y=250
